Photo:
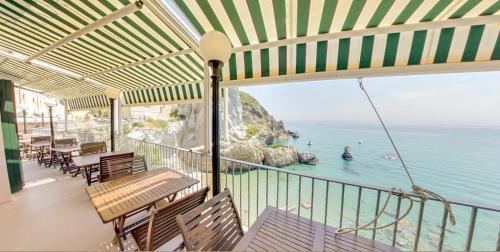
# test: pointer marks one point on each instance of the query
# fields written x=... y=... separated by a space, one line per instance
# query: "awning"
x=88 y=102
x=294 y=37
x=191 y=92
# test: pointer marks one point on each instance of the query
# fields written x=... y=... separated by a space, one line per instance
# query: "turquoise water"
x=460 y=164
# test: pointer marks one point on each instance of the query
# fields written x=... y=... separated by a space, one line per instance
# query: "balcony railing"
x=333 y=202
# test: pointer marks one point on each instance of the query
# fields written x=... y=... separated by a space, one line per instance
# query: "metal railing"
x=334 y=202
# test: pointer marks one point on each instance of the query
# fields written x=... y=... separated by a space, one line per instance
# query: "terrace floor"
x=53 y=212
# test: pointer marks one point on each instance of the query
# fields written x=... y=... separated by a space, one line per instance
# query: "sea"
x=460 y=163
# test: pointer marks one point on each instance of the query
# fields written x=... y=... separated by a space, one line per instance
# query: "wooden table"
x=65 y=156
x=114 y=199
x=88 y=161
x=276 y=230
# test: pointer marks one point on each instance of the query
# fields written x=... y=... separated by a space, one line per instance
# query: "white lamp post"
x=112 y=94
x=215 y=48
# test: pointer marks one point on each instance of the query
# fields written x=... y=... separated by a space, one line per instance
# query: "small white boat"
x=306 y=205
x=360 y=141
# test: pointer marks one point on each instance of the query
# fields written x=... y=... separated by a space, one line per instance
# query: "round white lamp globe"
x=112 y=93
x=214 y=45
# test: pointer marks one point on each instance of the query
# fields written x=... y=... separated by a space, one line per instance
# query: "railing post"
x=472 y=225
x=498 y=239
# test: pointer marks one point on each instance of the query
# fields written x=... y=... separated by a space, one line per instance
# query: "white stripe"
x=291 y=21
x=332 y=55
x=221 y=14
x=240 y=66
x=315 y=12
x=458 y=44
x=354 y=52
x=490 y=36
x=291 y=51
x=431 y=42
x=421 y=11
x=164 y=28
x=379 y=43
x=340 y=15
x=394 y=12
x=311 y=48
x=267 y=9
x=366 y=14
x=256 y=64
x=450 y=9
x=247 y=22
x=273 y=61
x=404 y=47
x=225 y=71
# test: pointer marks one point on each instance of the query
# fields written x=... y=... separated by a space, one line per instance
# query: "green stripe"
x=21 y=7
x=329 y=8
x=264 y=62
x=235 y=21
x=353 y=15
x=417 y=47
x=410 y=8
x=190 y=16
x=178 y=95
x=258 y=22
x=210 y=14
x=152 y=91
x=391 y=49
x=191 y=93
x=472 y=44
x=165 y=95
x=282 y=55
x=443 y=47
x=247 y=58
x=343 y=53
x=466 y=7
x=492 y=9
x=302 y=17
x=144 y=96
x=321 y=54
x=380 y=13
x=280 y=18
x=496 y=52
x=233 y=71
x=52 y=14
x=184 y=94
x=366 y=51
x=300 y=64
x=436 y=10
x=198 y=89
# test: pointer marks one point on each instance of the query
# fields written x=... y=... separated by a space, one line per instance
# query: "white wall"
x=4 y=177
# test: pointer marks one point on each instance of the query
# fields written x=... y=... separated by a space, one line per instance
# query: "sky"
x=464 y=99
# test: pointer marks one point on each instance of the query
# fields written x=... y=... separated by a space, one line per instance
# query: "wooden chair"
x=65 y=142
x=93 y=148
x=125 y=166
x=162 y=226
x=214 y=225
x=42 y=154
x=103 y=163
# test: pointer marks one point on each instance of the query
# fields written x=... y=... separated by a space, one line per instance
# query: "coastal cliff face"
x=252 y=132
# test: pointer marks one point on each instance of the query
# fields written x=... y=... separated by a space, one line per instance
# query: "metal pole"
x=51 y=126
x=215 y=126
x=25 y=130
x=112 y=121
x=43 y=121
x=65 y=116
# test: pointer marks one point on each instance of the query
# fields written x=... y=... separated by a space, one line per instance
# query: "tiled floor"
x=53 y=212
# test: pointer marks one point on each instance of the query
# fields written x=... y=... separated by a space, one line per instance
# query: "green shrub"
x=138 y=125
x=173 y=113
x=157 y=123
x=252 y=130
x=247 y=99
x=276 y=145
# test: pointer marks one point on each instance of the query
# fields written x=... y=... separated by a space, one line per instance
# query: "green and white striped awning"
x=88 y=102
x=191 y=92
x=314 y=37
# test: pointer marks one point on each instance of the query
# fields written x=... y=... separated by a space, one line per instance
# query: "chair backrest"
x=162 y=224
x=103 y=162
x=93 y=148
x=118 y=168
x=214 y=225
x=36 y=139
x=65 y=142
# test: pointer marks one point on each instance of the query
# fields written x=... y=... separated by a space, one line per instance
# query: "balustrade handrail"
x=338 y=181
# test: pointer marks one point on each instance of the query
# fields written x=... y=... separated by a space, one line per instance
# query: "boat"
x=309 y=143
x=347 y=154
x=360 y=141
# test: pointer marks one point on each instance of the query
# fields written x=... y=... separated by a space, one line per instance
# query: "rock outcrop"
x=281 y=156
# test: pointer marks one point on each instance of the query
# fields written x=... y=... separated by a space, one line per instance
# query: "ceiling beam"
x=131 y=8
x=141 y=62
x=461 y=67
x=431 y=25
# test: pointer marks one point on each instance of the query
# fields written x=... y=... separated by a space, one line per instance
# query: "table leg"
x=88 y=173
x=171 y=197
x=118 y=227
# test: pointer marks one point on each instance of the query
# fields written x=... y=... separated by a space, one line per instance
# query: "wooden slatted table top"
x=40 y=144
x=66 y=149
x=93 y=159
x=276 y=230
x=119 y=197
